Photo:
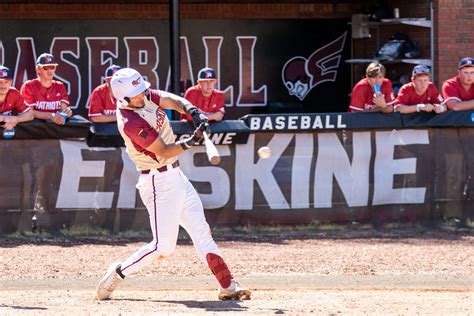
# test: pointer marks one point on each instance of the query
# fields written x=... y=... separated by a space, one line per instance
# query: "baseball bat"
x=211 y=150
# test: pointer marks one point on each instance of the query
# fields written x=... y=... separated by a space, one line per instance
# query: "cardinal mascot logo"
x=300 y=75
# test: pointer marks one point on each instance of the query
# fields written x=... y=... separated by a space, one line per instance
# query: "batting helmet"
x=127 y=83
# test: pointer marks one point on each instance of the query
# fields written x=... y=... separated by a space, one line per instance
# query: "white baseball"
x=264 y=152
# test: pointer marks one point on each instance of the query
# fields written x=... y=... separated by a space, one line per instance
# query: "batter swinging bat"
x=211 y=150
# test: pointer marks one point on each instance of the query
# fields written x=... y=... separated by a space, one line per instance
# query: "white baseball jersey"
x=168 y=195
x=140 y=128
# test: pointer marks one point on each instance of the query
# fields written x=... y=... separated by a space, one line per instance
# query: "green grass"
x=315 y=226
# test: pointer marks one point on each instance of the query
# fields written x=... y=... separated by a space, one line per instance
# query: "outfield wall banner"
x=330 y=176
x=261 y=65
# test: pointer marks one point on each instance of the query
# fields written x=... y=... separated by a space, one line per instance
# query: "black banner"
x=263 y=66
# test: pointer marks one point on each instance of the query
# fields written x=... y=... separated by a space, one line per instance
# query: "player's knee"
x=165 y=250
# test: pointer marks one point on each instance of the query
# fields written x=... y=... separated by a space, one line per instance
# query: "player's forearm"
x=387 y=108
x=406 y=109
x=25 y=117
x=42 y=115
x=103 y=118
x=215 y=116
x=174 y=102
x=460 y=105
x=166 y=151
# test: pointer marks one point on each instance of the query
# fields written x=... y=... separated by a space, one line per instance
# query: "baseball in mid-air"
x=264 y=152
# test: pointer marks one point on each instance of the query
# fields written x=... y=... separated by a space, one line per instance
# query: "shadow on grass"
x=393 y=232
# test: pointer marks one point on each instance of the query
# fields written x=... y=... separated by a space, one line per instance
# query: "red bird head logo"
x=300 y=75
x=136 y=82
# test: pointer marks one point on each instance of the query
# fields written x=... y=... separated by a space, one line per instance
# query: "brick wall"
x=189 y=9
x=454 y=20
x=455 y=35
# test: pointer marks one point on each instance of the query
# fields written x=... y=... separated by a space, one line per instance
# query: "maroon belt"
x=164 y=168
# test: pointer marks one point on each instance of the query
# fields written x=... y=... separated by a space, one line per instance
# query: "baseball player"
x=168 y=195
x=419 y=95
x=205 y=97
x=11 y=102
x=102 y=104
x=46 y=97
x=366 y=98
x=458 y=92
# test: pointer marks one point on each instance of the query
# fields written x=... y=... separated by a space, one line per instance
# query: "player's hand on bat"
x=198 y=135
x=198 y=117
x=204 y=127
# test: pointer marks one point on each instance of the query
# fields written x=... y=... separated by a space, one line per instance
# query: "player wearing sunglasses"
x=47 y=98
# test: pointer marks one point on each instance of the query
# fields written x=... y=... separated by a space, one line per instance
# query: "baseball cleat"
x=234 y=292
x=109 y=282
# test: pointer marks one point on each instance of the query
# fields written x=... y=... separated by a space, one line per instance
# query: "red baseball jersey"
x=362 y=95
x=101 y=102
x=453 y=90
x=13 y=103
x=44 y=99
x=408 y=96
x=214 y=103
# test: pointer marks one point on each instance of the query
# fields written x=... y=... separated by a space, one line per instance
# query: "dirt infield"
x=290 y=272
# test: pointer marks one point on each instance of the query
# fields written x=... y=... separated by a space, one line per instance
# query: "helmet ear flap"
x=125 y=101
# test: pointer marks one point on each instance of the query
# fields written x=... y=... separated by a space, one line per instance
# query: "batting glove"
x=198 y=117
x=204 y=127
x=189 y=141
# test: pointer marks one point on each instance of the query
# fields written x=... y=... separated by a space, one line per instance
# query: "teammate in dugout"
x=458 y=92
x=102 y=106
x=419 y=95
x=47 y=98
x=366 y=98
x=168 y=195
x=205 y=97
x=13 y=109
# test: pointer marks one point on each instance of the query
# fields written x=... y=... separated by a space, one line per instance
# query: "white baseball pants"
x=171 y=201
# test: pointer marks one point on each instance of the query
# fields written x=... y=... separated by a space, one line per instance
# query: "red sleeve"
x=388 y=91
x=155 y=96
x=403 y=96
x=220 y=102
x=139 y=131
x=189 y=95
x=64 y=96
x=357 y=99
x=96 y=104
x=435 y=96
x=20 y=105
x=27 y=94
x=449 y=90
